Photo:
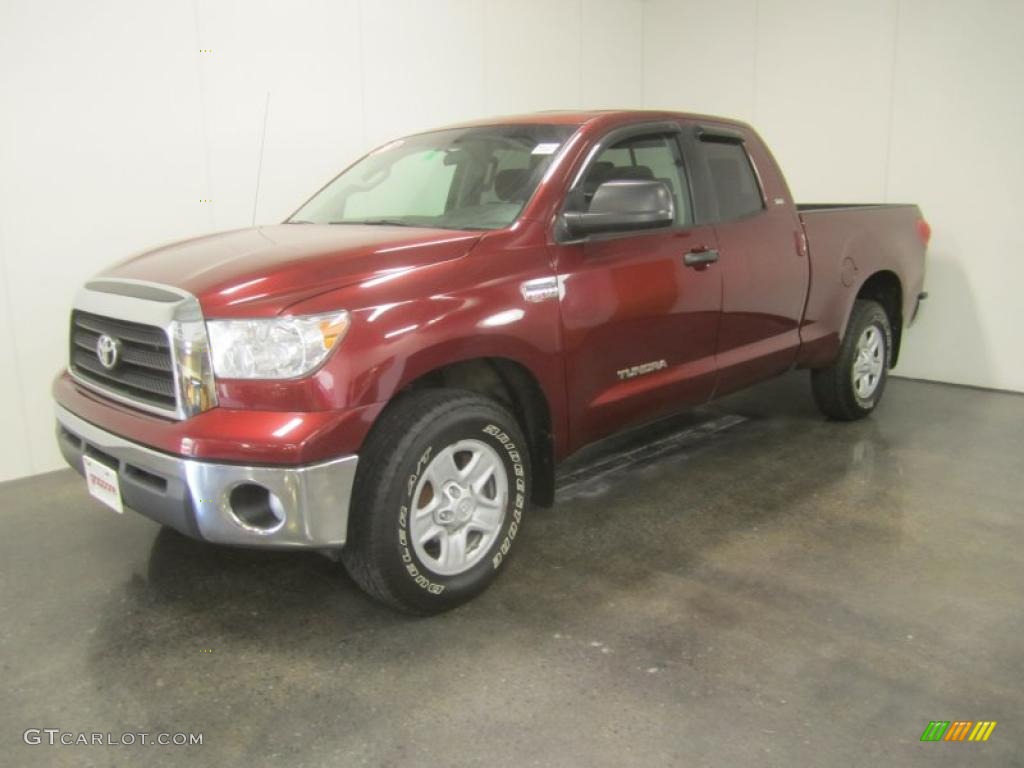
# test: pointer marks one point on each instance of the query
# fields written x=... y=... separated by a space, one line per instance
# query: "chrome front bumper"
x=195 y=497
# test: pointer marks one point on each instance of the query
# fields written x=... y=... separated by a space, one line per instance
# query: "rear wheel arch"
x=885 y=288
x=852 y=386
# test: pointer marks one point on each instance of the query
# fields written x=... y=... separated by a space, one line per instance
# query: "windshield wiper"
x=379 y=222
x=298 y=221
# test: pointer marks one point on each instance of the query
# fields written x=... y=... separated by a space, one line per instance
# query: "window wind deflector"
x=718 y=135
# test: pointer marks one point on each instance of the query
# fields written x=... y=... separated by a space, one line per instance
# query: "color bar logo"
x=958 y=730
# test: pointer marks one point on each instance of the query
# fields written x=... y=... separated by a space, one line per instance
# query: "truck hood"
x=262 y=270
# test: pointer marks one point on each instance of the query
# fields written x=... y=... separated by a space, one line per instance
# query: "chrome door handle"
x=700 y=258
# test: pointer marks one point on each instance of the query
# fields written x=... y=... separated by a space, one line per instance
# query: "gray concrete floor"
x=761 y=587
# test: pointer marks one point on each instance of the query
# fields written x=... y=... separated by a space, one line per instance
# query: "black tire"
x=379 y=555
x=834 y=390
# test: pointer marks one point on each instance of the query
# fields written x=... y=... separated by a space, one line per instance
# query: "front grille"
x=144 y=371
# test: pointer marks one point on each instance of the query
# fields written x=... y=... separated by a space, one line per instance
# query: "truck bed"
x=846 y=243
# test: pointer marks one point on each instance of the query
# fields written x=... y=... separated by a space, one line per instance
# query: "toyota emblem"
x=108 y=350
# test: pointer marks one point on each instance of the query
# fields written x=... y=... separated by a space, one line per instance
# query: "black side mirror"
x=624 y=205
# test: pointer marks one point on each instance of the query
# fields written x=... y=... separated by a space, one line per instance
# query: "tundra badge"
x=640 y=370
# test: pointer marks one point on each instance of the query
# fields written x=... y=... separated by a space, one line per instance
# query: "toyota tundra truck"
x=391 y=375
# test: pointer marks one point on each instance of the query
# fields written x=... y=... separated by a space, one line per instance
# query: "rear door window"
x=734 y=185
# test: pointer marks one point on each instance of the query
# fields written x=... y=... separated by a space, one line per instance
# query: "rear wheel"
x=852 y=386
x=438 y=500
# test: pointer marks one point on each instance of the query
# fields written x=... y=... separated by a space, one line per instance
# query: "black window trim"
x=718 y=135
x=614 y=136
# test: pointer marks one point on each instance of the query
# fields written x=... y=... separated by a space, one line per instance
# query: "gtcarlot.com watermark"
x=55 y=737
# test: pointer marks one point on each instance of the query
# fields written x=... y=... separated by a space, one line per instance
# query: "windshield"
x=463 y=178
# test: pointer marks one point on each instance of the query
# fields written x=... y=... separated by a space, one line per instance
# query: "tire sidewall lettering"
x=432 y=583
x=405 y=552
x=519 y=502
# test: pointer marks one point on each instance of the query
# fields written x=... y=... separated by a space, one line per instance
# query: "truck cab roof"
x=606 y=117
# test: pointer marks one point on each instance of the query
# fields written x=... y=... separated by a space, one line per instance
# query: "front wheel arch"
x=515 y=387
x=379 y=554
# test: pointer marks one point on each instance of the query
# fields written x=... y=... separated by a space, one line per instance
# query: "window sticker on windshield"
x=545 y=148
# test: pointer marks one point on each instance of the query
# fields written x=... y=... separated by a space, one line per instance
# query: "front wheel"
x=852 y=386
x=439 y=498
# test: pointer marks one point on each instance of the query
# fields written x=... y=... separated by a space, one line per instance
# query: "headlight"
x=274 y=348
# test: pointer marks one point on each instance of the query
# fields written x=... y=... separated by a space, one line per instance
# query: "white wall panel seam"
x=643 y=54
x=579 y=58
x=17 y=369
x=361 y=38
x=754 y=62
x=892 y=98
x=204 y=121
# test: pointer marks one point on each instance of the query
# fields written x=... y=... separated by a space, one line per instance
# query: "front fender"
x=444 y=314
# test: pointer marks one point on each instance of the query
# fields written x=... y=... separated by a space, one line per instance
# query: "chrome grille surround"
x=152 y=317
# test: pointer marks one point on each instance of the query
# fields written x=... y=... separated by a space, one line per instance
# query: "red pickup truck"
x=392 y=374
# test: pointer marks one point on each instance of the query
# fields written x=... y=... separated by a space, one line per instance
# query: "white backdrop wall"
x=882 y=101
x=128 y=123
x=121 y=118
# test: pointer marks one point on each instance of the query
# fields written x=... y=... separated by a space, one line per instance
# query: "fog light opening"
x=256 y=507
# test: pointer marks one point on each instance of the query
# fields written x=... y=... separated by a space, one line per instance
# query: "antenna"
x=259 y=164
